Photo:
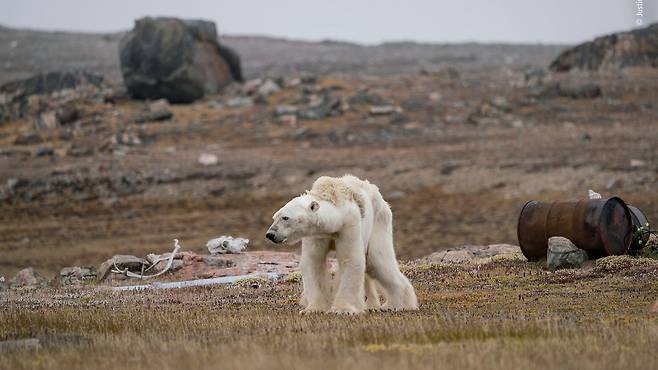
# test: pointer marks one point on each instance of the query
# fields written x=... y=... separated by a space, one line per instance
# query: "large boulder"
x=178 y=60
x=635 y=48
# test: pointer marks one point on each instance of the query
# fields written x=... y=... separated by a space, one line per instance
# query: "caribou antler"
x=170 y=261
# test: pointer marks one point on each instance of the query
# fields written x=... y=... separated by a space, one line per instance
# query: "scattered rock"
x=471 y=253
x=218 y=262
x=363 y=97
x=501 y=103
x=207 y=159
x=226 y=244
x=29 y=139
x=574 y=91
x=179 y=60
x=28 y=277
x=637 y=163
x=380 y=110
x=585 y=137
x=284 y=110
x=580 y=91
x=635 y=48
x=397 y=194
x=240 y=101
x=154 y=112
x=562 y=253
x=268 y=88
x=327 y=106
x=44 y=151
x=534 y=77
x=77 y=275
x=46 y=120
x=122 y=261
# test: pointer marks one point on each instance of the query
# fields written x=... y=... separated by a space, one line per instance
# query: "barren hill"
x=25 y=52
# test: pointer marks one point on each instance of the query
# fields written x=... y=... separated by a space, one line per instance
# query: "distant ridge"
x=27 y=52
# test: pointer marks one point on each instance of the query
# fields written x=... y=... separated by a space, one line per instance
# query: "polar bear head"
x=298 y=219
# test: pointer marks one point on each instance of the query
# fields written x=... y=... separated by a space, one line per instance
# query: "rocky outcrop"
x=625 y=49
x=178 y=60
x=471 y=253
x=47 y=96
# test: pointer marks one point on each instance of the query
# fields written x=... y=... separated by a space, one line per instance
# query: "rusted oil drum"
x=599 y=226
x=639 y=220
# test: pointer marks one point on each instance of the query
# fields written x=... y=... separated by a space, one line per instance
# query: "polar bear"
x=350 y=216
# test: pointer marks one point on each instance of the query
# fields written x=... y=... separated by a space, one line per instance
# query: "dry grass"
x=506 y=314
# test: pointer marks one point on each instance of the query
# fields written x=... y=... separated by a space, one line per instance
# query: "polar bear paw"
x=312 y=309
x=346 y=310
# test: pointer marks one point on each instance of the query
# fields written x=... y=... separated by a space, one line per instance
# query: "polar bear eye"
x=285 y=218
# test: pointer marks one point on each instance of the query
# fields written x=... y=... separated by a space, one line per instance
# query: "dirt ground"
x=451 y=176
x=507 y=314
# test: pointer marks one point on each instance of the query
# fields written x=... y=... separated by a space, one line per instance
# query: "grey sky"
x=547 y=21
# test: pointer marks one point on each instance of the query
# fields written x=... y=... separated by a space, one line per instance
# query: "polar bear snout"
x=272 y=237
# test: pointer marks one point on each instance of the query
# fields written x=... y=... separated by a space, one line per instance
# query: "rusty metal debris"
x=599 y=226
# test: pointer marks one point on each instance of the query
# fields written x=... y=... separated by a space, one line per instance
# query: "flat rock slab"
x=470 y=253
x=197 y=266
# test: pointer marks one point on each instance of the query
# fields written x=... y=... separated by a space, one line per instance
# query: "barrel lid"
x=616 y=226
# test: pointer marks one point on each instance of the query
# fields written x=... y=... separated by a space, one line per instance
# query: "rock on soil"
x=179 y=60
x=77 y=275
x=562 y=253
x=132 y=263
x=625 y=49
x=471 y=253
x=27 y=278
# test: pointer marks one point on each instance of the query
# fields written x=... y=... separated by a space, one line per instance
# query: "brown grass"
x=506 y=314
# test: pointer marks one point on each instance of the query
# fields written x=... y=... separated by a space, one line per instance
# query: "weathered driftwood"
x=199 y=282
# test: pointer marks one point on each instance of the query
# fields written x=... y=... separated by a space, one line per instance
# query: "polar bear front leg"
x=315 y=275
x=350 y=252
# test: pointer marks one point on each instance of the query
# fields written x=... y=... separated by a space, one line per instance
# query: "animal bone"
x=125 y=271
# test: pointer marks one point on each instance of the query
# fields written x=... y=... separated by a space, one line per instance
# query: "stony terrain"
x=457 y=137
x=506 y=314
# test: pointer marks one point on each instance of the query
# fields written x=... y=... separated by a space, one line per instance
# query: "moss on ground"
x=501 y=315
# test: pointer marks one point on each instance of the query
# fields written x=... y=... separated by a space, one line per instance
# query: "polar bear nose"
x=270 y=236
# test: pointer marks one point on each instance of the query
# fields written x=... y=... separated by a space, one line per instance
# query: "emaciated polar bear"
x=349 y=215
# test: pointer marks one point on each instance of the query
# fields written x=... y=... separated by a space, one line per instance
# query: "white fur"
x=349 y=215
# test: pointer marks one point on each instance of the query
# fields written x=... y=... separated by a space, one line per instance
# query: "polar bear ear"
x=315 y=206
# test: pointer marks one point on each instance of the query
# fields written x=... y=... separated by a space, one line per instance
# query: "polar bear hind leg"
x=372 y=295
x=398 y=292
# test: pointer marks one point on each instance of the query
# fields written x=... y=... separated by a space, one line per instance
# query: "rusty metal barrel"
x=599 y=226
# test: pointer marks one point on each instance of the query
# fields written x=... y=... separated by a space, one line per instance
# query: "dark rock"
x=562 y=253
x=573 y=91
x=44 y=151
x=179 y=60
x=634 y=48
x=46 y=83
x=362 y=96
x=328 y=106
x=580 y=91
x=585 y=137
x=233 y=59
x=28 y=139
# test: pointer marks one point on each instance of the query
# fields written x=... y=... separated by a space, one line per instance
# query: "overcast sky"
x=548 y=21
